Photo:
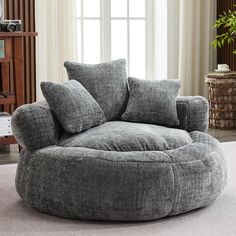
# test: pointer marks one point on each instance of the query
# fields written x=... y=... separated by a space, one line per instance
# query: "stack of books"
x=5 y=124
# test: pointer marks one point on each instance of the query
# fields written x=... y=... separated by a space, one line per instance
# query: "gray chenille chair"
x=104 y=147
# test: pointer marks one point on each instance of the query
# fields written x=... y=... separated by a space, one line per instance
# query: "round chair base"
x=122 y=186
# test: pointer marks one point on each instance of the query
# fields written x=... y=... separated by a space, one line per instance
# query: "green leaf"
x=226 y=22
x=214 y=43
x=222 y=42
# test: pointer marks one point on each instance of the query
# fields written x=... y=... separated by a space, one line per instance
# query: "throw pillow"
x=73 y=106
x=152 y=102
x=106 y=82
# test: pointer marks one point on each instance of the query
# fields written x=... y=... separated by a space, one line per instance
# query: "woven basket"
x=222 y=101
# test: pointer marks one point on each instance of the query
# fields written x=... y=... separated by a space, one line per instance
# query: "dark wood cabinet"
x=24 y=10
x=12 y=65
x=18 y=67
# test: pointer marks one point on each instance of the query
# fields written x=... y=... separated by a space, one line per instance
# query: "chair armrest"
x=35 y=127
x=193 y=113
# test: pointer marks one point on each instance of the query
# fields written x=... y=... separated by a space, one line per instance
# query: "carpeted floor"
x=217 y=219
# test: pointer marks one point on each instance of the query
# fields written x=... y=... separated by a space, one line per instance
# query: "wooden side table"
x=222 y=100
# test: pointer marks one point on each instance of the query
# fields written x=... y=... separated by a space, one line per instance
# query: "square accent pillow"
x=152 y=102
x=73 y=105
x=106 y=82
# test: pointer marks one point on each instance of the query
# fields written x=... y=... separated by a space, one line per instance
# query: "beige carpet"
x=218 y=219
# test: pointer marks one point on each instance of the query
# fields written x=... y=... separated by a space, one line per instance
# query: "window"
x=112 y=29
x=88 y=31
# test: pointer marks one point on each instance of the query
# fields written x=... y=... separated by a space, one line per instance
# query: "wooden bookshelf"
x=12 y=66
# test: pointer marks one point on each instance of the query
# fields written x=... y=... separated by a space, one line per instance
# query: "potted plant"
x=227 y=22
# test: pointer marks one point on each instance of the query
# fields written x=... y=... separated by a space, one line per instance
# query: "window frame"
x=105 y=34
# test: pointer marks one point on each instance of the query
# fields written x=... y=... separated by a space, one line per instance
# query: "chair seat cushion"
x=125 y=136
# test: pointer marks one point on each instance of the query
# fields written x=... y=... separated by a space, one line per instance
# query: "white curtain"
x=196 y=54
x=187 y=49
x=56 y=42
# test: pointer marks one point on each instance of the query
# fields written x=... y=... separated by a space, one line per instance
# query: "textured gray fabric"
x=106 y=82
x=126 y=186
x=193 y=113
x=73 y=106
x=134 y=181
x=152 y=102
x=124 y=137
x=34 y=126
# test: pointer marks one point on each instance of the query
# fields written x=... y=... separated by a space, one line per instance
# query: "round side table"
x=222 y=100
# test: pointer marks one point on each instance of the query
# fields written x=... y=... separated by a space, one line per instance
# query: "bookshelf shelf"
x=7 y=140
x=12 y=70
x=7 y=98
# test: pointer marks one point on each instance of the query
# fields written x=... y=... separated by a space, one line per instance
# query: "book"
x=4 y=115
x=5 y=124
x=2 y=49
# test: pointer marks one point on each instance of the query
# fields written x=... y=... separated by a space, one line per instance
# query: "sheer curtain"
x=55 y=23
x=196 y=55
x=188 y=52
